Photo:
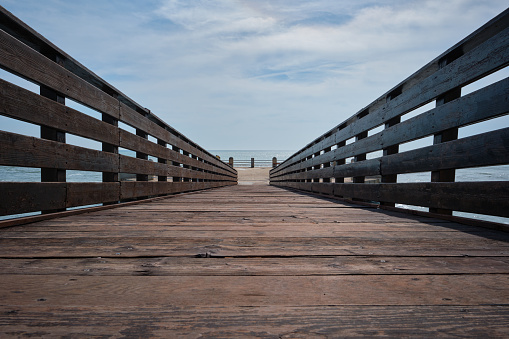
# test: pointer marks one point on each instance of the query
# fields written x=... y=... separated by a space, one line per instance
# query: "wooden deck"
x=252 y=261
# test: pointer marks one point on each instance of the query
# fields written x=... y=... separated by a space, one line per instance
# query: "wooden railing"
x=179 y=164
x=252 y=163
x=322 y=166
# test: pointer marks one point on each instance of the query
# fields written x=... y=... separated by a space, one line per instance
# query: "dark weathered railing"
x=180 y=165
x=322 y=166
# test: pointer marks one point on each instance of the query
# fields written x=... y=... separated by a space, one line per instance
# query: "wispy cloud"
x=255 y=74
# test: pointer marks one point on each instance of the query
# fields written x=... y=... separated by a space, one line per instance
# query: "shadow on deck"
x=252 y=260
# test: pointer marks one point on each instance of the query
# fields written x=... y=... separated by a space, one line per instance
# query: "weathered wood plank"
x=264 y=262
x=482 y=60
x=20 y=150
x=293 y=266
x=139 y=144
x=129 y=247
x=135 y=119
x=486 y=149
x=21 y=59
x=81 y=194
x=19 y=103
x=258 y=322
x=181 y=291
x=30 y=197
x=491 y=197
x=484 y=104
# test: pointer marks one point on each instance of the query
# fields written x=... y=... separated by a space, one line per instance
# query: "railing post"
x=110 y=176
x=339 y=162
x=140 y=155
x=274 y=162
x=53 y=174
x=447 y=135
x=162 y=161
x=309 y=168
x=448 y=175
x=360 y=157
x=327 y=164
x=186 y=154
x=252 y=162
x=230 y=161
x=316 y=167
x=177 y=164
x=394 y=149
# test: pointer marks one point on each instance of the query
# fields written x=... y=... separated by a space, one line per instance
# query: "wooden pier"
x=192 y=247
x=252 y=261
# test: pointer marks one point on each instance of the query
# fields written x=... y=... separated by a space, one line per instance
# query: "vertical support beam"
x=53 y=174
x=110 y=176
x=194 y=168
x=340 y=162
x=360 y=157
x=392 y=178
x=448 y=175
x=186 y=154
x=175 y=163
x=309 y=168
x=162 y=161
x=316 y=167
x=140 y=155
x=327 y=164
x=230 y=161
x=252 y=162
x=274 y=162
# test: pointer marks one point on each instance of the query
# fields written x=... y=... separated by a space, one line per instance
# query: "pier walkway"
x=252 y=261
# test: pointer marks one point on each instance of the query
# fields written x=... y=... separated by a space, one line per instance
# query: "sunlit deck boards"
x=252 y=261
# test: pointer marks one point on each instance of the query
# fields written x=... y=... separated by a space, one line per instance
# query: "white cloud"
x=255 y=74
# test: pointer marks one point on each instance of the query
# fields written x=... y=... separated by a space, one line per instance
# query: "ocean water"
x=263 y=158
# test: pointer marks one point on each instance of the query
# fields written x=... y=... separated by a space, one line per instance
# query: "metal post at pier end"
x=274 y=162
x=252 y=162
x=230 y=161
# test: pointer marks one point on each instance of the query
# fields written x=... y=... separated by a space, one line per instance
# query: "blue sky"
x=249 y=74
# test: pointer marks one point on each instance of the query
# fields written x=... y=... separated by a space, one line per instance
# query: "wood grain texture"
x=255 y=261
x=23 y=151
x=21 y=59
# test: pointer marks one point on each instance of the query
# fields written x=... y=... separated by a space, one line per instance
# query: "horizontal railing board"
x=483 y=60
x=31 y=65
x=30 y=37
x=486 y=149
x=491 y=197
x=36 y=196
x=139 y=144
x=89 y=193
x=134 y=189
x=141 y=166
x=21 y=104
x=134 y=118
x=23 y=151
x=31 y=197
x=486 y=103
x=478 y=37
